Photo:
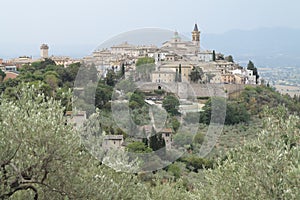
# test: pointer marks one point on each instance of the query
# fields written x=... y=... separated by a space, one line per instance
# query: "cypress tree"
x=122 y=69
x=176 y=75
x=179 y=78
x=156 y=141
x=252 y=67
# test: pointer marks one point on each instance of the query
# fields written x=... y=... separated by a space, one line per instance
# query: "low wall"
x=186 y=90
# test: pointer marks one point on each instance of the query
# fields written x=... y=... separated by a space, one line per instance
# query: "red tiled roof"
x=11 y=75
x=78 y=113
x=167 y=130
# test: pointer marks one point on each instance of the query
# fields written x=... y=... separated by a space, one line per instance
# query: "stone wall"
x=185 y=90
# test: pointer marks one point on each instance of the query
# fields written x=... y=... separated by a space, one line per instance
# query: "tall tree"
x=171 y=104
x=252 y=67
x=110 y=78
x=52 y=81
x=176 y=76
x=103 y=95
x=214 y=55
x=196 y=74
x=229 y=58
x=156 y=141
x=179 y=75
x=2 y=75
x=209 y=77
x=214 y=111
x=122 y=69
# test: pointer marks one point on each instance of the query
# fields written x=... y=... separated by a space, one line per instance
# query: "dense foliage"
x=264 y=168
x=234 y=112
x=144 y=67
x=41 y=157
x=171 y=104
x=54 y=80
x=196 y=74
x=2 y=75
x=256 y=98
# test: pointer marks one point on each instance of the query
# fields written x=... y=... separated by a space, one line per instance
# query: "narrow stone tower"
x=44 y=50
x=196 y=37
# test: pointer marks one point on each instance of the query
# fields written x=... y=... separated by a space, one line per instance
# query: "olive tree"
x=41 y=156
x=266 y=168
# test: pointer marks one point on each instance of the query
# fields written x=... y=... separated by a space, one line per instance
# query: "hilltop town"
x=169 y=116
x=197 y=65
x=215 y=68
x=178 y=76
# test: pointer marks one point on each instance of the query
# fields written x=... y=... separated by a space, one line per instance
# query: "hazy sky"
x=32 y=22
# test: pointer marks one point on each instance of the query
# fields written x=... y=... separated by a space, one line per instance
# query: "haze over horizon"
x=76 y=28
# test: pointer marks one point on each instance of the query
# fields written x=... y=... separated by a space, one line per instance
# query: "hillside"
x=49 y=159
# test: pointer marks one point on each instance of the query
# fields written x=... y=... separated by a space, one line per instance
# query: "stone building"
x=124 y=49
x=44 y=50
x=20 y=61
x=167 y=71
x=205 y=56
x=76 y=118
x=167 y=135
x=181 y=47
x=249 y=77
x=163 y=76
x=228 y=78
x=112 y=141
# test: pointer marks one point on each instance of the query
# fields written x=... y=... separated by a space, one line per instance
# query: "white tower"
x=44 y=50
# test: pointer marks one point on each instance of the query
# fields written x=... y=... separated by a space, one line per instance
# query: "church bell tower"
x=196 y=37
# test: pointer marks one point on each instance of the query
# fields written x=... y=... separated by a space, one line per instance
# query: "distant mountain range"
x=266 y=47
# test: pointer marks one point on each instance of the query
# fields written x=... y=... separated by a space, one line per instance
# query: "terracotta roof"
x=167 y=130
x=79 y=113
x=10 y=75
